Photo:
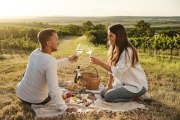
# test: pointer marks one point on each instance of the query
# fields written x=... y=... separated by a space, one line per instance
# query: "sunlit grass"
x=163 y=78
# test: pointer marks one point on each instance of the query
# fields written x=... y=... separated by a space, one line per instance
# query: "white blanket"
x=49 y=110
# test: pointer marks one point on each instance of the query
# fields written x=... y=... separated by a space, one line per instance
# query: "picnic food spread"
x=84 y=99
x=77 y=94
x=76 y=90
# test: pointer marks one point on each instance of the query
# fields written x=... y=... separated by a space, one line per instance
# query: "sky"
x=15 y=8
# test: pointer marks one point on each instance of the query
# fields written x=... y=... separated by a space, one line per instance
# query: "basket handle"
x=91 y=67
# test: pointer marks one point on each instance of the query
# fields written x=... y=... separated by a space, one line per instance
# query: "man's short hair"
x=43 y=36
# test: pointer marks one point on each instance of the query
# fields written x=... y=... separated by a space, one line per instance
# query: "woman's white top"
x=125 y=75
x=40 y=79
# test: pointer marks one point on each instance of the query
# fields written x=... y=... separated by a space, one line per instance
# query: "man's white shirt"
x=40 y=79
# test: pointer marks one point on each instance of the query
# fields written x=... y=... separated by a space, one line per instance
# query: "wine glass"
x=88 y=51
x=79 y=49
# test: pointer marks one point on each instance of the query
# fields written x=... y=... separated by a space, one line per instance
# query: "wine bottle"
x=78 y=75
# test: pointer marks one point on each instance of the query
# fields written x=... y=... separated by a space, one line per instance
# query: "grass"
x=163 y=79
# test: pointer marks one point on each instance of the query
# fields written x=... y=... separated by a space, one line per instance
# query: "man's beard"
x=53 y=49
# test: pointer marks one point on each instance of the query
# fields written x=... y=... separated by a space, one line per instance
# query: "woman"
x=127 y=80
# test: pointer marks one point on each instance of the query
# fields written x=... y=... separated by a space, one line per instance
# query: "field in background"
x=162 y=23
x=163 y=78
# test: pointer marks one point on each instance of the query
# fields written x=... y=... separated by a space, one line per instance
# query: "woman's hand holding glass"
x=94 y=60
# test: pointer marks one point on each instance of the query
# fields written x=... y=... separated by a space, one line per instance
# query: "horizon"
x=29 y=17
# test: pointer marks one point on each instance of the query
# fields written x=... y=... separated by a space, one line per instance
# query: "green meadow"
x=162 y=73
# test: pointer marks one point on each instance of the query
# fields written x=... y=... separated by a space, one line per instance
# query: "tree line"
x=142 y=35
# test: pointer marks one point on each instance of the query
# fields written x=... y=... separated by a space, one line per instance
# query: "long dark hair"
x=121 y=44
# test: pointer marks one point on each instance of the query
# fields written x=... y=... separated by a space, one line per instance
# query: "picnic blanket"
x=49 y=110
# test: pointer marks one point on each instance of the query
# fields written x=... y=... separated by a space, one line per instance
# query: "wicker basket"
x=91 y=80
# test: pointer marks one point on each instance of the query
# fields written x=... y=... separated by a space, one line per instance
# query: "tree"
x=88 y=25
x=100 y=27
x=143 y=29
x=98 y=34
x=74 y=29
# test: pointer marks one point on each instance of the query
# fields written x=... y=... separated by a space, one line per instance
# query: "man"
x=40 y=82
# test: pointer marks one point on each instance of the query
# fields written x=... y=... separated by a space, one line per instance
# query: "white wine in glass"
x=89 y=51
x=79 y=50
